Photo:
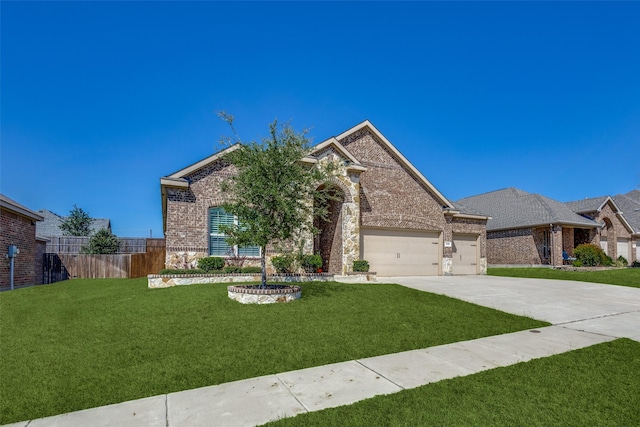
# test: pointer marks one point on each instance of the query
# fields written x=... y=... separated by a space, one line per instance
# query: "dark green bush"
x=361 y=266
x=231 y=269
x=182 y=271
x=211 y=263
x=591 y=255
x=577 y=263
x=311 y=263
x=251 y=270
x=635 y=264
x=284 y=263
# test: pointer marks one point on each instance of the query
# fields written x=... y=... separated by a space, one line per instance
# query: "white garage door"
x=603 y=244
x=465 y=254
x=623 y=248
x=401 y=252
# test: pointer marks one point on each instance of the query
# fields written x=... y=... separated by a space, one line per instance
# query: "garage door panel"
x=623 y=248
x=401 y=252
x=465 y=254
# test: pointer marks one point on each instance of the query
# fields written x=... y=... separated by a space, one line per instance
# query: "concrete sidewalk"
x=583 y=314
x=259 y=400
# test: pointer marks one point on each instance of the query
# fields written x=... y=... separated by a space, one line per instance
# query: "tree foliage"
x=273 y=192
x=78 y=223
x=103 y=242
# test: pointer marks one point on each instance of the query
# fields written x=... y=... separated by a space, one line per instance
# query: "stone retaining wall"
x=170 y=280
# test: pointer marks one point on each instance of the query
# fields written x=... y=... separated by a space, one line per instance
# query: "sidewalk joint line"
x=378 y=373
x=166 y=409
x=291 y=393
x=596 y=317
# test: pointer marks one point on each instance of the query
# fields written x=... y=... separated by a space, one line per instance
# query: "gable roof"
x=446 y=203
x=13 y=206
x=50 y=225
x=596 y=204
x=353 y=163
x=512 y=208
x=629 y=204
x=177 y=179
x=587 y=205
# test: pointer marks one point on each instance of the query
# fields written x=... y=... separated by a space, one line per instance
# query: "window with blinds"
x=217 y=244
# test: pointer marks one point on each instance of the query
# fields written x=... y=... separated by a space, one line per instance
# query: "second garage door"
x=401 y=252
x=465 y=254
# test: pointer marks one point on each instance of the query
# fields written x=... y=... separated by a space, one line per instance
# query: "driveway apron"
x=592 y=307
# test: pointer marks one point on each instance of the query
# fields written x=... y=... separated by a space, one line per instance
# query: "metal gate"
x=54 y=270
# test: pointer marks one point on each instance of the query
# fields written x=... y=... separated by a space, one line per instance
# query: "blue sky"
x=101 y=99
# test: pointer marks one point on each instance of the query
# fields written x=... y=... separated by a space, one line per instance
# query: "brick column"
x=556 y=245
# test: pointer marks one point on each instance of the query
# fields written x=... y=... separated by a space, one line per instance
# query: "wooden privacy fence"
x=128 y=245
x=120 y=266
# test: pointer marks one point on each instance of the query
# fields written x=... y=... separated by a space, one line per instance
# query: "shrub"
x=621 y=262
x=211 y=263
x=231 y=269
x=311 y=263
x=251 y=270
x=181 y=271
x=361 y=266
x=577 y=263
x=635 y=264
x=590 y=255
x=284 y=263
x=103 y=242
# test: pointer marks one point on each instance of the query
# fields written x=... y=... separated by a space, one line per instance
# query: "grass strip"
x=594 y=386
x=91 y=342
x=622 y=277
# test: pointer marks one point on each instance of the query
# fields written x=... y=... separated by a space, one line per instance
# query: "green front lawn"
x=622 y=277
x=91 y=342
x=594 y=386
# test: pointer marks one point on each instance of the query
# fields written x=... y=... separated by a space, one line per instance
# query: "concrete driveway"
x=602 y=309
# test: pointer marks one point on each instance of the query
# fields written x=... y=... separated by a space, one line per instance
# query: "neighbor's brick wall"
x=389 y=195
x=522 y=246
x=20 y=231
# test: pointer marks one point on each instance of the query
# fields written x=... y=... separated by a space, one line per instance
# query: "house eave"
x=545 y=224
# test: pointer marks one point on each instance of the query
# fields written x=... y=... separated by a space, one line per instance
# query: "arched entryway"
x=328 y=243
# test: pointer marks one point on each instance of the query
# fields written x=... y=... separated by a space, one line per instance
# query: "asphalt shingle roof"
x=587 y=205
x=514 y=208
x=629 y=204
x=50 y=227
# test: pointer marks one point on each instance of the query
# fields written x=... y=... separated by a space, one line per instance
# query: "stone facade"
x=376 y=188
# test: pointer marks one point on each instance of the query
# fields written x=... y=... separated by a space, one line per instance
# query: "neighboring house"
x=18 y=227
x=630 y=205
x=388 y=213
x=531 y=229
x=50 y=226
x=617 y=234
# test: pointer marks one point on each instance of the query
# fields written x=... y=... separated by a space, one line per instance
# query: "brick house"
x=618 y=235
x=531 y=229
x=388 y=213
x=18 y=227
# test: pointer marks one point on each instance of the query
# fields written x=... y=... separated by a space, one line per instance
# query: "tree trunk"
x=263 y=265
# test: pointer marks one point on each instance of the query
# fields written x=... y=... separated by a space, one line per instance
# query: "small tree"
x=103 y=242
x=78 y=223
x=273 y=191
